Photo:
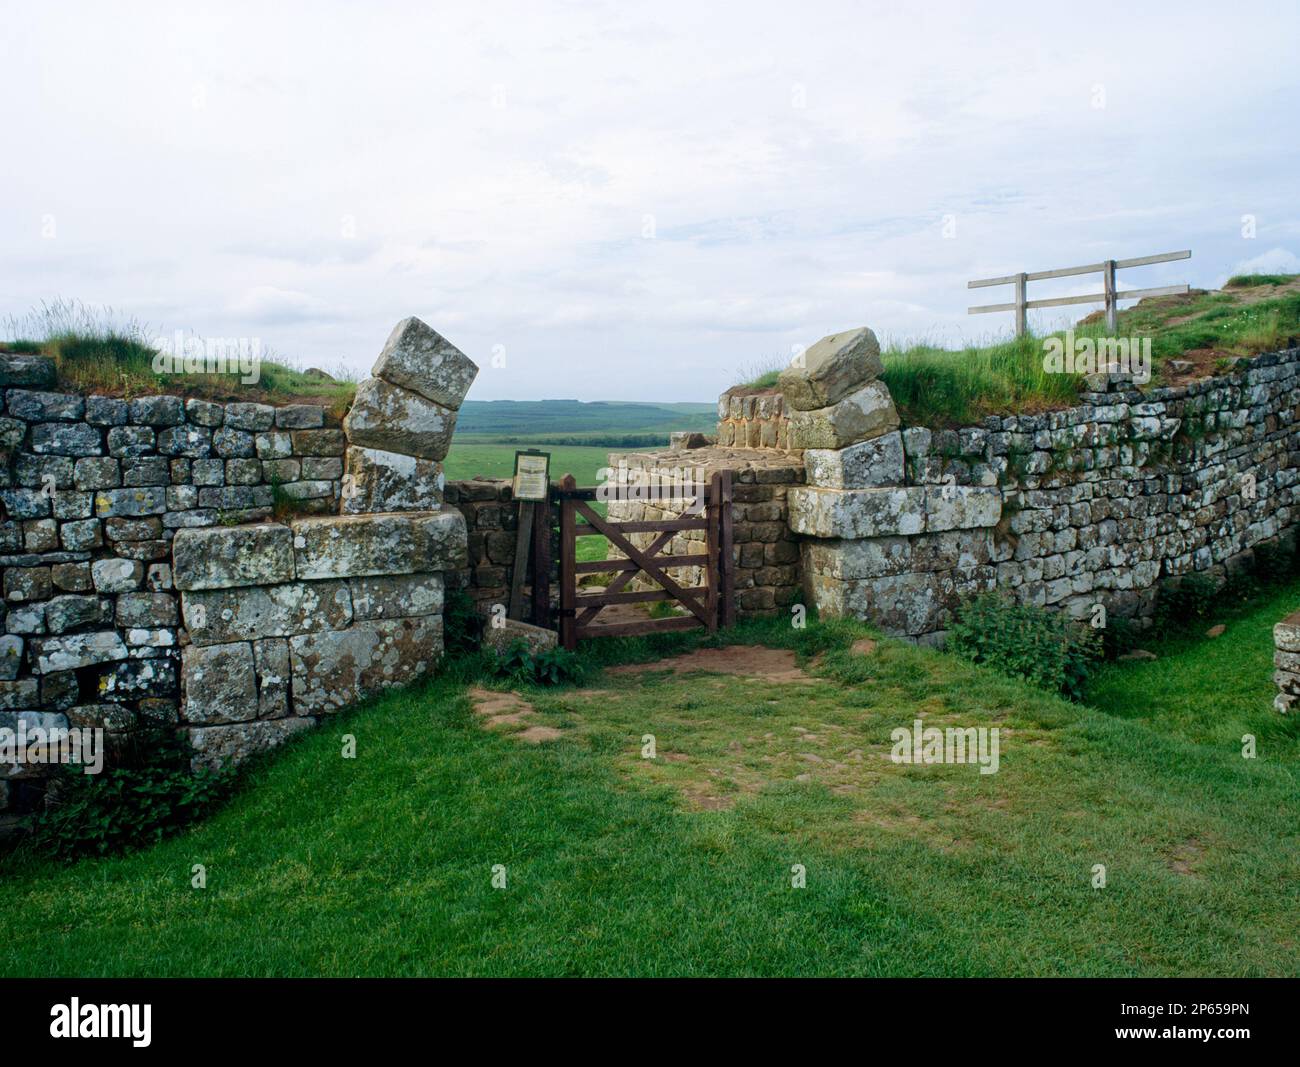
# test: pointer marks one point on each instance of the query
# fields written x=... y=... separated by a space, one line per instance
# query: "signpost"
x=531 y=486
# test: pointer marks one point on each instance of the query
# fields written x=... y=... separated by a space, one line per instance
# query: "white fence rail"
x=1109 y=296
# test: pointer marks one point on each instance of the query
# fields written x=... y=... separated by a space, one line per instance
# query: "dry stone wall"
x=146 y=580
x=1098 y=503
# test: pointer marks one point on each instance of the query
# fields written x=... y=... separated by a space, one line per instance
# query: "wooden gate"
x=709 y=605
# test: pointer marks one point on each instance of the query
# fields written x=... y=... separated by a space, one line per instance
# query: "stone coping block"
x=860 y=416
x=344 y=546
x=222 y=557
x=889 y=512
x=831 y=369
x=865 y=465
x=336 y=668
x=394 y=419
x=418 y=358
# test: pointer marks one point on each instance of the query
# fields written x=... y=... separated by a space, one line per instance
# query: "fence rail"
x=1110 y=296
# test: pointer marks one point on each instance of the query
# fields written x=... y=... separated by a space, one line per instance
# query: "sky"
x=630 y=201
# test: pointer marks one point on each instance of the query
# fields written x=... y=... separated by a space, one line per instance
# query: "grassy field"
x=682 y=864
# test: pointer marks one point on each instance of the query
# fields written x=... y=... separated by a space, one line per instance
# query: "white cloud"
x=313 y=172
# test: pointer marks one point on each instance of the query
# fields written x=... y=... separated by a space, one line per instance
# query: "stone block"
x=500 y=634
x=832 y=369
x=72 y=651
x=72 y=611
x=961 y=507
x=397 y=596
x=867 y=464
x=227 y=746
x=221 y=557
x=860 y=416
x=376 y=481
x=345 y=546
x=216 y=616
x=336 y=668
x=26 y=370
x=418 y=358
x=219 y=683
x=387 y=417
x=854 y=513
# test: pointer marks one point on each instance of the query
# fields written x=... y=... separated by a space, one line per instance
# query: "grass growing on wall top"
x=97 y=351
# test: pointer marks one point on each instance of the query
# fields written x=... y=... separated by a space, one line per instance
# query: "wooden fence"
x=1109 y=295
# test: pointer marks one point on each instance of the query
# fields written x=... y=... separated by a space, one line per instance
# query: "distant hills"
x=614 y=423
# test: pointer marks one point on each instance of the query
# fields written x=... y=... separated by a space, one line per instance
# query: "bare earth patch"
x=508 y=709
x=746 y=661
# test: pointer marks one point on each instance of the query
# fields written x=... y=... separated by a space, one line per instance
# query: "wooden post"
x=1108 y=276
x=712 y=540
x=542 y=564
x=1021 y=323
x=726 y=564
x=523 y=534
x=568 y=576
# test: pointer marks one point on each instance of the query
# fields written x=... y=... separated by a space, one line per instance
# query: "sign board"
x=532 y=475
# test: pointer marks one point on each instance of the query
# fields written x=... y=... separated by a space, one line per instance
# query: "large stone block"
x=419 y=358
x=216 y=616
x=220 y=683
x=394 y=419
x=877 y=462
x=32 y=371
x=339 y=667
x=223 y=746
x=347 y=546
x=219 y=557
x=854 y=513
x=397 y=596
x=376 y=480
x=831 y=369
x=962 y=507
x=72 y=651
x=501 y=634
x=864 y=414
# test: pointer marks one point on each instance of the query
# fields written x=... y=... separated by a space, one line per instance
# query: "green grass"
x=1248 y=281
x=681 y=865
x=94 y=350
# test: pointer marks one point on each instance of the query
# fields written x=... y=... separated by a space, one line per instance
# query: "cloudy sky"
x=623 y=200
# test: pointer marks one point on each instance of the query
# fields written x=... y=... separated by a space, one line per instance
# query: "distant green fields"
x=573 y=422
x=469 y=460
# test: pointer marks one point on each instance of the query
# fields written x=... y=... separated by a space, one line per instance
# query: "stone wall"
x=491 y=521
x=1097 y=503
x=753 y=419
x=144 y=580
x=1286 y=658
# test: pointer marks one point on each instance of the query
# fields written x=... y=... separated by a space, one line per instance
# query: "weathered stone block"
x=216 y=616
x=962 y=507
x=144 y=500
x=72 y=651
x=225 y=746
x=877 y=462
x=418 y=358
x=866 y=413
x=394 y=543
x=147 y=610
x=393 y=419
x=397 y=596
x=336 y=668
x=376 y=480
x=31 y=371
x=220 y=683
x=64 y=613
x=500 y=634
x=853 y=513
x=274 y=677
x=225 y=556
x=831 y=369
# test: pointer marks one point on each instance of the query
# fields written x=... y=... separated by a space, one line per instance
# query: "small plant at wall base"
x=462 y=625
x=1043 y=647
x=555 y=666
x=150 y=793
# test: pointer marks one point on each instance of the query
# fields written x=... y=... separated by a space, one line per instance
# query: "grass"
x=681 y=865
x=96 y=351
x=940 y=387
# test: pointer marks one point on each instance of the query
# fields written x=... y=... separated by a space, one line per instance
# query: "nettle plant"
x=1047 y=648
